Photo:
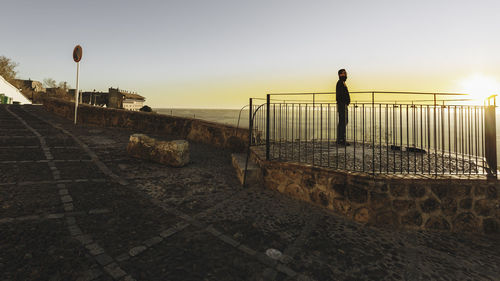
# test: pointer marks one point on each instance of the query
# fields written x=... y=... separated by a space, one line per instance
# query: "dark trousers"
x=343 y=119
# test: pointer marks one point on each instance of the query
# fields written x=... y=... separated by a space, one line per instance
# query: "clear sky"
x=218 y=53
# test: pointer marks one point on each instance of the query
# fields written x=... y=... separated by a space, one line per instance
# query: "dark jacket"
x=342 y=93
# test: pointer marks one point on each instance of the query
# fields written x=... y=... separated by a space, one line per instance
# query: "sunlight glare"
x=480 y=87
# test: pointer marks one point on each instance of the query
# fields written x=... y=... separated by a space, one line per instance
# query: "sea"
x=233 y=117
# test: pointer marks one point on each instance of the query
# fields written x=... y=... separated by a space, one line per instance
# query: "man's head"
x=342 y=74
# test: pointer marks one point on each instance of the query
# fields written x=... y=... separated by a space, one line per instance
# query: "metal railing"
x=416 y=133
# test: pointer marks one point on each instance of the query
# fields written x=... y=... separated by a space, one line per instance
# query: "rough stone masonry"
x=173 y=153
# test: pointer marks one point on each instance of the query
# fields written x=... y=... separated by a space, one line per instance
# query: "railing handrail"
x=373 y=92
x=292 y=102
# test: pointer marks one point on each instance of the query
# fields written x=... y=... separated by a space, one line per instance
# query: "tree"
x=8 y=69
x=49 y=83
x=63 y=85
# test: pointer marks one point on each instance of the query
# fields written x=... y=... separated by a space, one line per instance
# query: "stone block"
x=323 y=198
x=449 y=206
x=172 y=153
x=342 y=206
x=247 y=250
x=398 y=190
x=387 y=218
x=443 y=190
x=484 y=207
x=466 y=222
x=412 y=218
x=466 y=203
x=461 y=190
x=362 y=215
x=417 y=191
x=94 y=249
x=379 y=200
x=491 y=226
x=153 y=241
x=429 y=205
x=357 y=194
x=403 y=205
x=480 y=190
x=437 y=223
x=137 y=250
x=339 y=189
x=491 y=192
x=103 y=259
x=114 y=270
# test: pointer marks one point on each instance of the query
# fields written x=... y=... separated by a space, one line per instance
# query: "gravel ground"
x=382 y=159
x=135 y=219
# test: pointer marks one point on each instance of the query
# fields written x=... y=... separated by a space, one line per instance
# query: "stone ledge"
x=254 y=174
x=216 y=134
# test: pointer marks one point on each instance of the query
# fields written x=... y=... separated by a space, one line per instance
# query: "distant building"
x=10 y=94
x=94 y=98
x=133 y=101
x=30 y=89
x=35 y=86
x=123 y=99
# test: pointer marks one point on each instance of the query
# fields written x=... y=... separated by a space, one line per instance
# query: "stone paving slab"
x=21 y=172
x=79 y=170
x=59 y=139
x=367 y=253
x=18 y=141
x=126 y=227
x=109 y=195
x=19 y=200
x=221 y=231
x=21 y=154
x=40 y=251
x=193 y=255
x=75 y=153
x=260 y=218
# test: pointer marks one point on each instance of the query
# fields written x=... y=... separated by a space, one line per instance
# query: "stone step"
x=254 y=173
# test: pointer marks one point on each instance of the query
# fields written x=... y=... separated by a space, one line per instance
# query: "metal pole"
x=76 y=92
x=374 y=131
x=268 y=108
x=250 y=123
x=490 y=139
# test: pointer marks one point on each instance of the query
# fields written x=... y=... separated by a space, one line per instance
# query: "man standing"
x=343 y=100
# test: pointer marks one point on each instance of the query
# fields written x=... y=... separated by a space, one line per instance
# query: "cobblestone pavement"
x=74 y=206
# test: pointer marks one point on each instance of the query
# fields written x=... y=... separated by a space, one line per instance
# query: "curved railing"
x=416 y=133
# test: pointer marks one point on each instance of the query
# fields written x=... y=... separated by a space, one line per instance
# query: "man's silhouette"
x=343 y=100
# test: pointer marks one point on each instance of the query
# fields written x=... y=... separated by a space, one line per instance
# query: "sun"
x=480 y=87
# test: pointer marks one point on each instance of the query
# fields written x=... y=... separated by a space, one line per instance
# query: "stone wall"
x=437 y=203
x=197 y=130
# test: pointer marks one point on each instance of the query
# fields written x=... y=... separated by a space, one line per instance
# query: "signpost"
x=77 y=56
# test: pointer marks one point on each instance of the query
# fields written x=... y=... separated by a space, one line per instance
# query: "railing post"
x=250 y=122
x=313 y=125
x=373 y=132
x=490 y=139
x=268 y=111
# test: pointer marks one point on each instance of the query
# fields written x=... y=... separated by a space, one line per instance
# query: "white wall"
x=10 y=91
x=131 y=104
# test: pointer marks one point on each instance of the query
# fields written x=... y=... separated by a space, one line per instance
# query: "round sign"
x=77 y=53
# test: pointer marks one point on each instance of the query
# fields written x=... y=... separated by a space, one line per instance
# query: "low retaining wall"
x=219 y=135
x=447 y=203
